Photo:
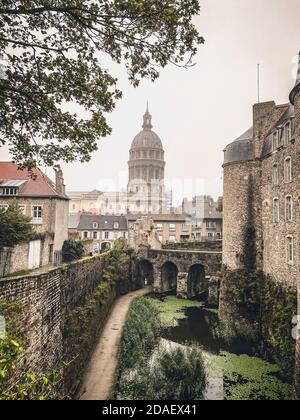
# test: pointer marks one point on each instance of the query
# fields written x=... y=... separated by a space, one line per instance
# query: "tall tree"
x=54 y=73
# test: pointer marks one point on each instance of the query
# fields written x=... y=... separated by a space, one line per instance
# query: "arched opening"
x=146 y=273
x=105 y=246
x=197 y=284
x=169 y=273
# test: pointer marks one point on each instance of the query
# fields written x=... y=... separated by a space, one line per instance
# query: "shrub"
x=173 y=374
x=14 y=226
x=149 y=371
x=72 y=250
x=141 y=333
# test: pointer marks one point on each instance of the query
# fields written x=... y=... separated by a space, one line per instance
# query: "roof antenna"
x=258 y=82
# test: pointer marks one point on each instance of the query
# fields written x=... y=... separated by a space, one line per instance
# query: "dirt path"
x=100 y=375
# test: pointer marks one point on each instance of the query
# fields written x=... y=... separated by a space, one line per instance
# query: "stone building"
x=206 y=217
x=262 y=208
x=261 y=191
x=146 y=191
x=45 y=203
x=169 y=227
x=101 y=231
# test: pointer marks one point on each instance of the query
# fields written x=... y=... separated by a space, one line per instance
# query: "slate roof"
x=41 y=186
x=104 y=222
x=241 y=149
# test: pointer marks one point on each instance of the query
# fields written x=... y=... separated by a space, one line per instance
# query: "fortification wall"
x=241 y=210
x=48 y=300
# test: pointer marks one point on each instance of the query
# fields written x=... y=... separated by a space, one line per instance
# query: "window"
x=8 y=191
x=95 y=235
x=95 y=225
x=288 y=133
x=290 y=250
x=37 y=214
x=159 y=226
x=3 y=207
x=211 y=225
x=288 y=170
x=185 y=227
x=116 y=225
x=289 y=209
x=275 y=174
x=172 y=238
x=172 y=226
x=85 y=235
x=106 y=235
x=276 y=210
x=275 y=141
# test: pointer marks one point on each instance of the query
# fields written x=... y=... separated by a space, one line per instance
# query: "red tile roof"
x=41 y=186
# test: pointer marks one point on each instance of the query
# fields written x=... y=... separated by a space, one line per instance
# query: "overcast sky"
x=196 y=112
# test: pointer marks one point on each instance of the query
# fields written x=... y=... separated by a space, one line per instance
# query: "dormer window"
x=95 y=225
x=275 y=141
x=9 y=191
x=116 y=225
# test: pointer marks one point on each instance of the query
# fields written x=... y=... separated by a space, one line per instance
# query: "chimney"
x=59 y=181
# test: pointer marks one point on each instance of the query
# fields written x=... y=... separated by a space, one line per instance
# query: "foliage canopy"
x=55 y=91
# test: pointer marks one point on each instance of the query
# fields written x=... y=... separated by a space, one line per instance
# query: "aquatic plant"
x=172 y=309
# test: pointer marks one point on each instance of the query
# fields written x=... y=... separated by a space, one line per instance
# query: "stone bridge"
x=189 y=273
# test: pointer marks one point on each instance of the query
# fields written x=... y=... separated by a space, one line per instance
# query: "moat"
x=234 y=370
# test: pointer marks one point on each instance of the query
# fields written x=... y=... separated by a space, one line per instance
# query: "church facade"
x=146 y=193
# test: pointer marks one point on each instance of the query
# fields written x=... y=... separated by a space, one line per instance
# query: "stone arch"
x=169 y=274
x=146 y=273
x=197 y=284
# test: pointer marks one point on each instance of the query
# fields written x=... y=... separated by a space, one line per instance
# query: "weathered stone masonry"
x=47 y=299
x=250 y=188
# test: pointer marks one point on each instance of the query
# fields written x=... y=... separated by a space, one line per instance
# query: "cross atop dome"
x=296 y=89
x=147 y=125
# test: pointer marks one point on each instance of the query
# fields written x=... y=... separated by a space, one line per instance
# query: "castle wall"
x=241 y=210
x=49 y=298
x=275 y=234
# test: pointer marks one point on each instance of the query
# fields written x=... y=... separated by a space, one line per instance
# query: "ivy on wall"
x=25 y=385
x=264 y=309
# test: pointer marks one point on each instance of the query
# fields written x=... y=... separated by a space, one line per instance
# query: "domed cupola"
x=296 y=89
x=147 y=138
x=146 y=160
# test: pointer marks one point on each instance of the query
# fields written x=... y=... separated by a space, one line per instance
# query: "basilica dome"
x=146 y=157
x=147 y=139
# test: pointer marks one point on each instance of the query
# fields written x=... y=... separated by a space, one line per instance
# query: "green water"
x=234 y=370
